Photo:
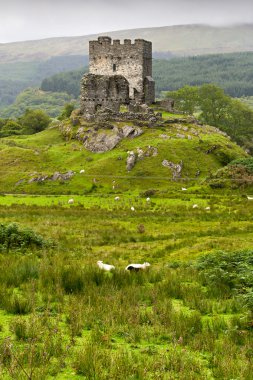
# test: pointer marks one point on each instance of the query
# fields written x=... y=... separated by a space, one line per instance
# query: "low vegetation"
x=32 y=121
x=188 y=317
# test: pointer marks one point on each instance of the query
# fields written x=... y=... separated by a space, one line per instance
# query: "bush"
x=12 y=237
x=34 y=121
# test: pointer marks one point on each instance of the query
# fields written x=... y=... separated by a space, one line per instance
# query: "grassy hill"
x=202 y=150
x=179 y=40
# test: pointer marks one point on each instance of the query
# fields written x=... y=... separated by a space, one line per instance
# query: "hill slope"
x=233 y=72
x=179 y=40
x=26 y=160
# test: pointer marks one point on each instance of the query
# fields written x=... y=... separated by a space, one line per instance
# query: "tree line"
x=214 y=107
x=232 y=72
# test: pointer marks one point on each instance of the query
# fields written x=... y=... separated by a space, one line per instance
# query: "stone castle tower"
x=118 y=74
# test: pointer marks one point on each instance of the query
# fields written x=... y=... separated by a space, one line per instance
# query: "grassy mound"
x=201 y=149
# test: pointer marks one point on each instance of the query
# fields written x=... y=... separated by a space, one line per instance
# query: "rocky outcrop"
x=130 y=131
x=99 y=140
x=55 y=177
x=175 y=168
x=102 y=142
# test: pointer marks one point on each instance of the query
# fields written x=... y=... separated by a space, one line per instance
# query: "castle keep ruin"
x=119 y=74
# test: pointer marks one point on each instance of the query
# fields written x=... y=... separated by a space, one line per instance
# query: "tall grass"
x=181 y=319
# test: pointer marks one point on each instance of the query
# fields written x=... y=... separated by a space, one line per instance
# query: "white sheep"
x=249 y=198
x=195 y=206
x=148 y=199
x=71 y=201
x=184 y=189
x=82 y=171
x=132 y=208
x=106 y=267
x=137 y=267
x=208 y=208
x=116 y=198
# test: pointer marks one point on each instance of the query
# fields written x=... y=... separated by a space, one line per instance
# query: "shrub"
x=34 y=121
x=12 y=237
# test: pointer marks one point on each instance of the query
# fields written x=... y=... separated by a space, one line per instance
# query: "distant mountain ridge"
x=179 y=40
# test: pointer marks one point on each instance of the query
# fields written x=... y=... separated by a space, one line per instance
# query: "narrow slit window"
x=114 y=67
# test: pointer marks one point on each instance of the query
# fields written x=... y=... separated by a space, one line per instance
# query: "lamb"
x=137 y=267
x=148 y=199
x=71 y=201
x=116 y=198
x=132 y=208
x=249 y=198
x=106 y=267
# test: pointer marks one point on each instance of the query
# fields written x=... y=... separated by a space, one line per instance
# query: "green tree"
x=34 y=121
x=186 y=99
x=218 y=109
x=215 y=105
x=68 y=108
x=11 y=127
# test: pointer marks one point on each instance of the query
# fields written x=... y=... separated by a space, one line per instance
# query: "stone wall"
x=131 y=60
x=99 y=92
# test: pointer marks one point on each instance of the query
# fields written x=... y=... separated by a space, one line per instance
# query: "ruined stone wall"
x=132 y=60
x=99 y=92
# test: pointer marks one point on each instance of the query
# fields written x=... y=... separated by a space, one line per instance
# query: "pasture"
x=189 y=316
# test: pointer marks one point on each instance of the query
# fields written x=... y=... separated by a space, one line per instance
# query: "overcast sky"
x=36 y=19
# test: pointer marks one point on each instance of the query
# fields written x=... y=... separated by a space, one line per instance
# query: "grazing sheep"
x=249 y=198
x=184 y=189
x=106 y=267
x=208 y=208
x=148 y=199
x=195 y=206
x=137 y=267
x=116 y=198
x=71 y=201
x=132 y=208
x=82 y=171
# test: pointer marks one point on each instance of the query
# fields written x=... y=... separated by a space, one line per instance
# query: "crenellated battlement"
x=107 y=41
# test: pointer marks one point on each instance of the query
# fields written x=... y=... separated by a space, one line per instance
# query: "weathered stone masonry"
x=118 y=74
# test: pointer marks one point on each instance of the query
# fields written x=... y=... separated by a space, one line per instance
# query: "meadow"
x=190 y=316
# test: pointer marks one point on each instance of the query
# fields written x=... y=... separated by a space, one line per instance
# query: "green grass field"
x=63 y=318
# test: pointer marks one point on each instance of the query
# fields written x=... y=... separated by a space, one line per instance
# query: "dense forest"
x=68 y=82
x=232 y=72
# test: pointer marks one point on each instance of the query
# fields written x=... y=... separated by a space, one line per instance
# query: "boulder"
x=131 y=160
x=130 y=131
x=102 y=142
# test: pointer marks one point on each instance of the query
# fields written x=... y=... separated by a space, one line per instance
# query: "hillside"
x=33 y=98
x=233 y=72
x=200 y=150
x=17 y=76
x=179 y=40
